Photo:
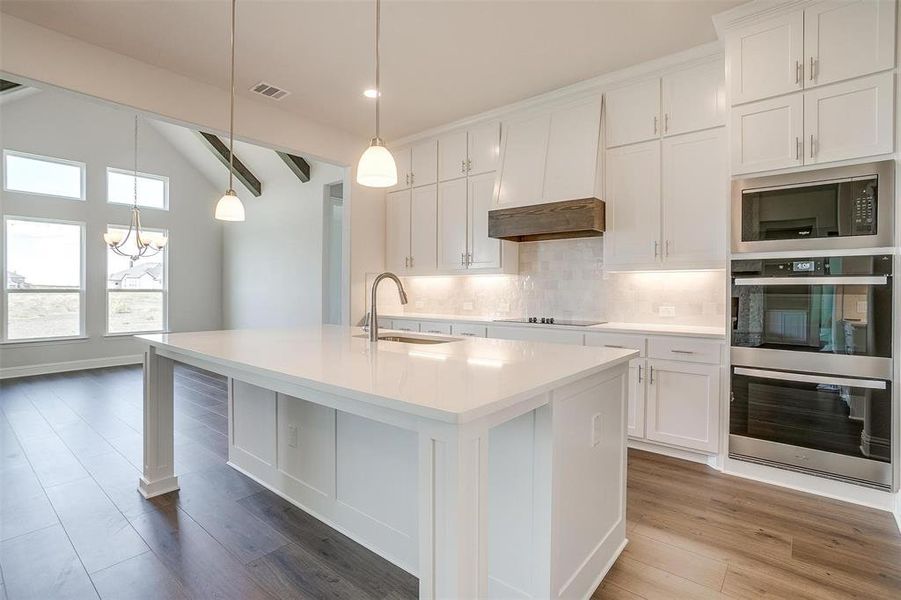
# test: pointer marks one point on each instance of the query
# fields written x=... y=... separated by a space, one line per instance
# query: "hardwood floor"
x=72 y=524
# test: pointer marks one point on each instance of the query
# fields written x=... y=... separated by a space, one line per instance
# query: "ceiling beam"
x=298 y=166
x=220 y=151
x=6 y=86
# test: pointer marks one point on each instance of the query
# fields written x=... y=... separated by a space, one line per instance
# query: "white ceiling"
x=441 y=60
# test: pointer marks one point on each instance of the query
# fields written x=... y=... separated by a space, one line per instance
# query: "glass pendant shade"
x=114 y=237
x=229 y=207
x=376 y=167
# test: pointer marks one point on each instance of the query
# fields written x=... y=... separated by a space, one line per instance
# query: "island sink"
x=407 y=339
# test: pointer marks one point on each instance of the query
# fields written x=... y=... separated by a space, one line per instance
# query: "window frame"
x=130 y=173
x=164 y=290
x=50 y=159
x=82 y=289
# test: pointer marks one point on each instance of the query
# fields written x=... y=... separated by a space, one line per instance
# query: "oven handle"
x=873 y=384
x=847 y=280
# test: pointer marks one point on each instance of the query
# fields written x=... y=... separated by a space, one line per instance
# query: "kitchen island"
x=487 y=468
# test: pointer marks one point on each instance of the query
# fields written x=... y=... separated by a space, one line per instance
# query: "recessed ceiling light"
x=371 y=93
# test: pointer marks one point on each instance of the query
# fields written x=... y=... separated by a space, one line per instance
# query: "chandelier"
x=146 y=243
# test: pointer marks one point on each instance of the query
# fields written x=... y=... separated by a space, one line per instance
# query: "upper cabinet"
x=686 y=99
x=828 y=42
x=550 y=156
x=470 y=152
x=402 y=160
x=411 y=228
x=417 y=165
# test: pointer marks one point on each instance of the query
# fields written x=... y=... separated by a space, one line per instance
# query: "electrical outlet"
x=292 y=436
x=666 y=310
x=597 y=425
x=467 y=306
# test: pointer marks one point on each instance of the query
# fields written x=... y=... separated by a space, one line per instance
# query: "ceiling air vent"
x=270 y=91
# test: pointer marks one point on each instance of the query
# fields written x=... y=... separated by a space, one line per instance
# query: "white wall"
x=64 y=125
x=38 y=54
x=272 y=266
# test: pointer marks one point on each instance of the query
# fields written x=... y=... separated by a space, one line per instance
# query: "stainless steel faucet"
x=373 y=309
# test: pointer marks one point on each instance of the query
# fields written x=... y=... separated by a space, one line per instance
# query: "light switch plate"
x=597 y=426
x=666 y=310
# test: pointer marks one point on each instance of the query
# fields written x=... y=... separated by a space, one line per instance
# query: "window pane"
x=135 y=311
x=43 y=315
x=42 y=255
x=120 y=189
x=39 y=175
x=142 y=274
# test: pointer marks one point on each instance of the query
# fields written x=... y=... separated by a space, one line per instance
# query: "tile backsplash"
x=566 y=279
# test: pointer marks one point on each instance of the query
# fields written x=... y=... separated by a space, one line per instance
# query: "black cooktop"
x=550 y=321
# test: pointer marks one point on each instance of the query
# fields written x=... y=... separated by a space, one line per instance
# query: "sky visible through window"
x=120 y=189
x=45 y=254
x=36 y=175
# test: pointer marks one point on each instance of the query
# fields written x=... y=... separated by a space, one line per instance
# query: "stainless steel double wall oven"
x=812 y=334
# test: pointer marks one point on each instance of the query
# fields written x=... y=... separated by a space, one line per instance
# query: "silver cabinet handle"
x=433 y=331
x=656 y=246
x=682 y=351
x=655 y=124
x=408 y=179
x=462 y=259
x=468 y=165
x=467 y=334
x=797 y=148
x=651 y=375
x=811 y=146
x=639 y=373
x=411 y=261
x=813 y=66
x=412 y=178
x=406 y=261
x=462 y=166
x=469 y=258
x=666 y=248
x=665 y=122
x=799 y=72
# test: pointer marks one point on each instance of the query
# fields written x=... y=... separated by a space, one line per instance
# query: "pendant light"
x=376 y=167
x=229 y=207
x=146 y=244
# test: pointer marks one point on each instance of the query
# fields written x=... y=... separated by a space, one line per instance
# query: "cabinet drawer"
x=435 y=328
x=685 y=349
x=469 y=330
x=618 y=340
x=404 y=325
x=556 y=336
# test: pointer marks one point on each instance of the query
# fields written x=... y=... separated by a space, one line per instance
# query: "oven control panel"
x=864 y=213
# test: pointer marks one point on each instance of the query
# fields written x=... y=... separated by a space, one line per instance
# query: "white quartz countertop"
x=612 y=327
x=454 y=382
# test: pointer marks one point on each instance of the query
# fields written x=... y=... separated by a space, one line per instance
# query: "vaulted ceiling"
x=442 y=60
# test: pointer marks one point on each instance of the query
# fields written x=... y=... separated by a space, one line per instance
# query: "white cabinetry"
x=550 y=156
x=417 y=165
x=842 y=121
x=633 y=204
x=828 y=42
x=411 y=224
x=470 y=152
x=452 y=220
x=683 y=404
x=633 y=113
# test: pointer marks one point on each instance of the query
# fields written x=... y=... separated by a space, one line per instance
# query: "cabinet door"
x=637 y=387
x=572 y=155
x=683 y=404
x=850 y=119
x=694 y=98
x=695 y=192
x=402 y=158
x=452 y=156
x=424 y=229
x=523 y=154
x=633 y=113
x=484 y=148
x=484 y=252
x=424 y=163
x=768 y=134
x=848 y=38
x=767 y=59
x=397 y=231
x=452 y=225
x=633 y=205
x=536 y=334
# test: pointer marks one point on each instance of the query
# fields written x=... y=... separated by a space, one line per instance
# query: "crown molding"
x=577 y=91
x=754 y=12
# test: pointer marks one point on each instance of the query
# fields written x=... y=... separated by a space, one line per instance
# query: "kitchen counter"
x=698 y=331
x=389 y=443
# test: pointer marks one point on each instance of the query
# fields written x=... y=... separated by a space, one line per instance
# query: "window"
x=42 y=175
x=44 y=283
x=153 y=190
x=136 y=291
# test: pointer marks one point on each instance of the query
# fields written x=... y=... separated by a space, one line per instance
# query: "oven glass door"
x=835 y=315
x=828 y=415
x=824 y=210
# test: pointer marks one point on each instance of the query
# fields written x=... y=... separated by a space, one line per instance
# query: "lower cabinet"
x=682 y=407
x=635 y=420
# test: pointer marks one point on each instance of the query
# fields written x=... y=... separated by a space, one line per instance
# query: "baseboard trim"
x=896 y=511
x=72 y=365
x=689 y=455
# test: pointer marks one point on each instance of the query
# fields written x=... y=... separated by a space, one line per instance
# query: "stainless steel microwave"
x=829 y=209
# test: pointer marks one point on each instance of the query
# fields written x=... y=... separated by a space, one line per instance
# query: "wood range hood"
x=551 y=221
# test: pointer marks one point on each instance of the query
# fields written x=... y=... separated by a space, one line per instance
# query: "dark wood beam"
x=6 y=86
x=298 y=166
x=242 y=173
